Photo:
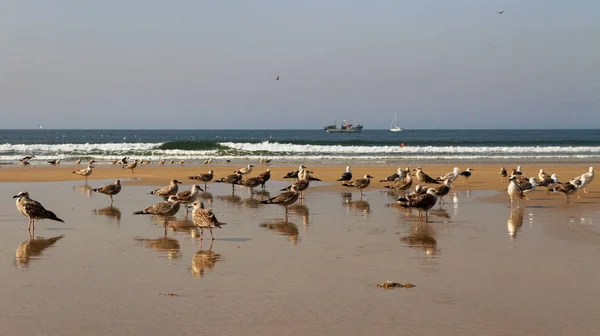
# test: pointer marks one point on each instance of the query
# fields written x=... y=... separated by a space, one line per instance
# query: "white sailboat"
x=393 y=126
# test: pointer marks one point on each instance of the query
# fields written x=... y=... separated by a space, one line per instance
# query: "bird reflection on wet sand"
x=443 y=213
x=360 y=206
x=285 y=228
x=84 y=190
x=251 y=202
x=514 y=223
x=206 y=196
x=263 y=194
x=163 y=244
x=111 y=212
x=204 y=260
x=421 y=236
x=33 y=248
x=231 y=199
x=185 y=225
x=301 y=210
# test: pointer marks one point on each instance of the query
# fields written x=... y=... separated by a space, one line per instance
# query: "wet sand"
x=479 y=267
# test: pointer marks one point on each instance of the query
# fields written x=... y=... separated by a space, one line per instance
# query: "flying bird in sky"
x=277 y=78
x=500 y=12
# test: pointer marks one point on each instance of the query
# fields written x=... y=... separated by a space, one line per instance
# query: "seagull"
x=467 y=174
x=518 y=171
x=422 y=177
x=246 y=170
x=402 y=184
x=528 y=187
x=27 y=158
x=189 y=196
x=503 y=174
x=294 y=174
x=303 y=182
x=542 y=175
x=132 y=166
x=205 y=219
x=167 y=208
x=567 y=188
x=208 y=161
x=251 y=183
x=78 y=161
x=422 y=202
x=360 y=184
x=443 y=190
x=514 y=191
x=265 y=177
x=204 y=177
x=394 y=176
x=346 y=176
x=453 y=175
x=277 y=78
x=167 y=191
x=589 y=177
x=33 y=210
x=232 y=179
x=84 y=172
x=54 y=162
x=286 y=199
x=549 y=182
x=501 y=12
x=110 y=190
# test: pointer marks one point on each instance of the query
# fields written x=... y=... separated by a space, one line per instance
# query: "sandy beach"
x=479 y=267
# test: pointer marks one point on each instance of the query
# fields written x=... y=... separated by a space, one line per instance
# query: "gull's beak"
x=201 y=189
x=16 y=196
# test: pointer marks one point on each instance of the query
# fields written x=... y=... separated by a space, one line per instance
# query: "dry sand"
x=479 y=267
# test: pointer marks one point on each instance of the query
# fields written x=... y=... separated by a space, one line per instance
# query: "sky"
x=450 y=64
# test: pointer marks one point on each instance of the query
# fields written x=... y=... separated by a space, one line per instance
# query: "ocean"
x=313 y=146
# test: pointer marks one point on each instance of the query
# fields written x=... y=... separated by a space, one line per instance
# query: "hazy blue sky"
x=212 y=64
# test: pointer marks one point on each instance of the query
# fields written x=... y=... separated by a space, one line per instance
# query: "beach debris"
x=390 y=284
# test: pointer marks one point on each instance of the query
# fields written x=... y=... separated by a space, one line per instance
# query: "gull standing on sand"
x=204 y=177
x=251 y=182
x=246 y=170
x=33 y=210
x=205 y=219
x=132 y=165
x=402 y=184
x=567 y=188
x=398 y=175
x=167 y=191
x=421 y=202
x=294 y=174
x=443 y=190
x=264 y=177
x=528 y=187
x=189 y=196
x=27 y=158
x=467 y=174
x=589 y=177
x=346 y=176
x=110 y=190
x=360 y=184
x=542 y=175
x=423 y=177
x=303 y=182
x=54 y=162
x=232 y=179
x=84 y=172
x=453 y=175
x=286 y=199
x=549 y=183
x=166 y=209
x=514 y=191
x=78 y=161
x=503 y=174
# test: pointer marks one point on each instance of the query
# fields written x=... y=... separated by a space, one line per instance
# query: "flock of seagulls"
x=520 y=185
x=125 y=163
x=422 y=198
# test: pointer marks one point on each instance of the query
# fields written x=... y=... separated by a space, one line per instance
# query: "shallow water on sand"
x=479 y=268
